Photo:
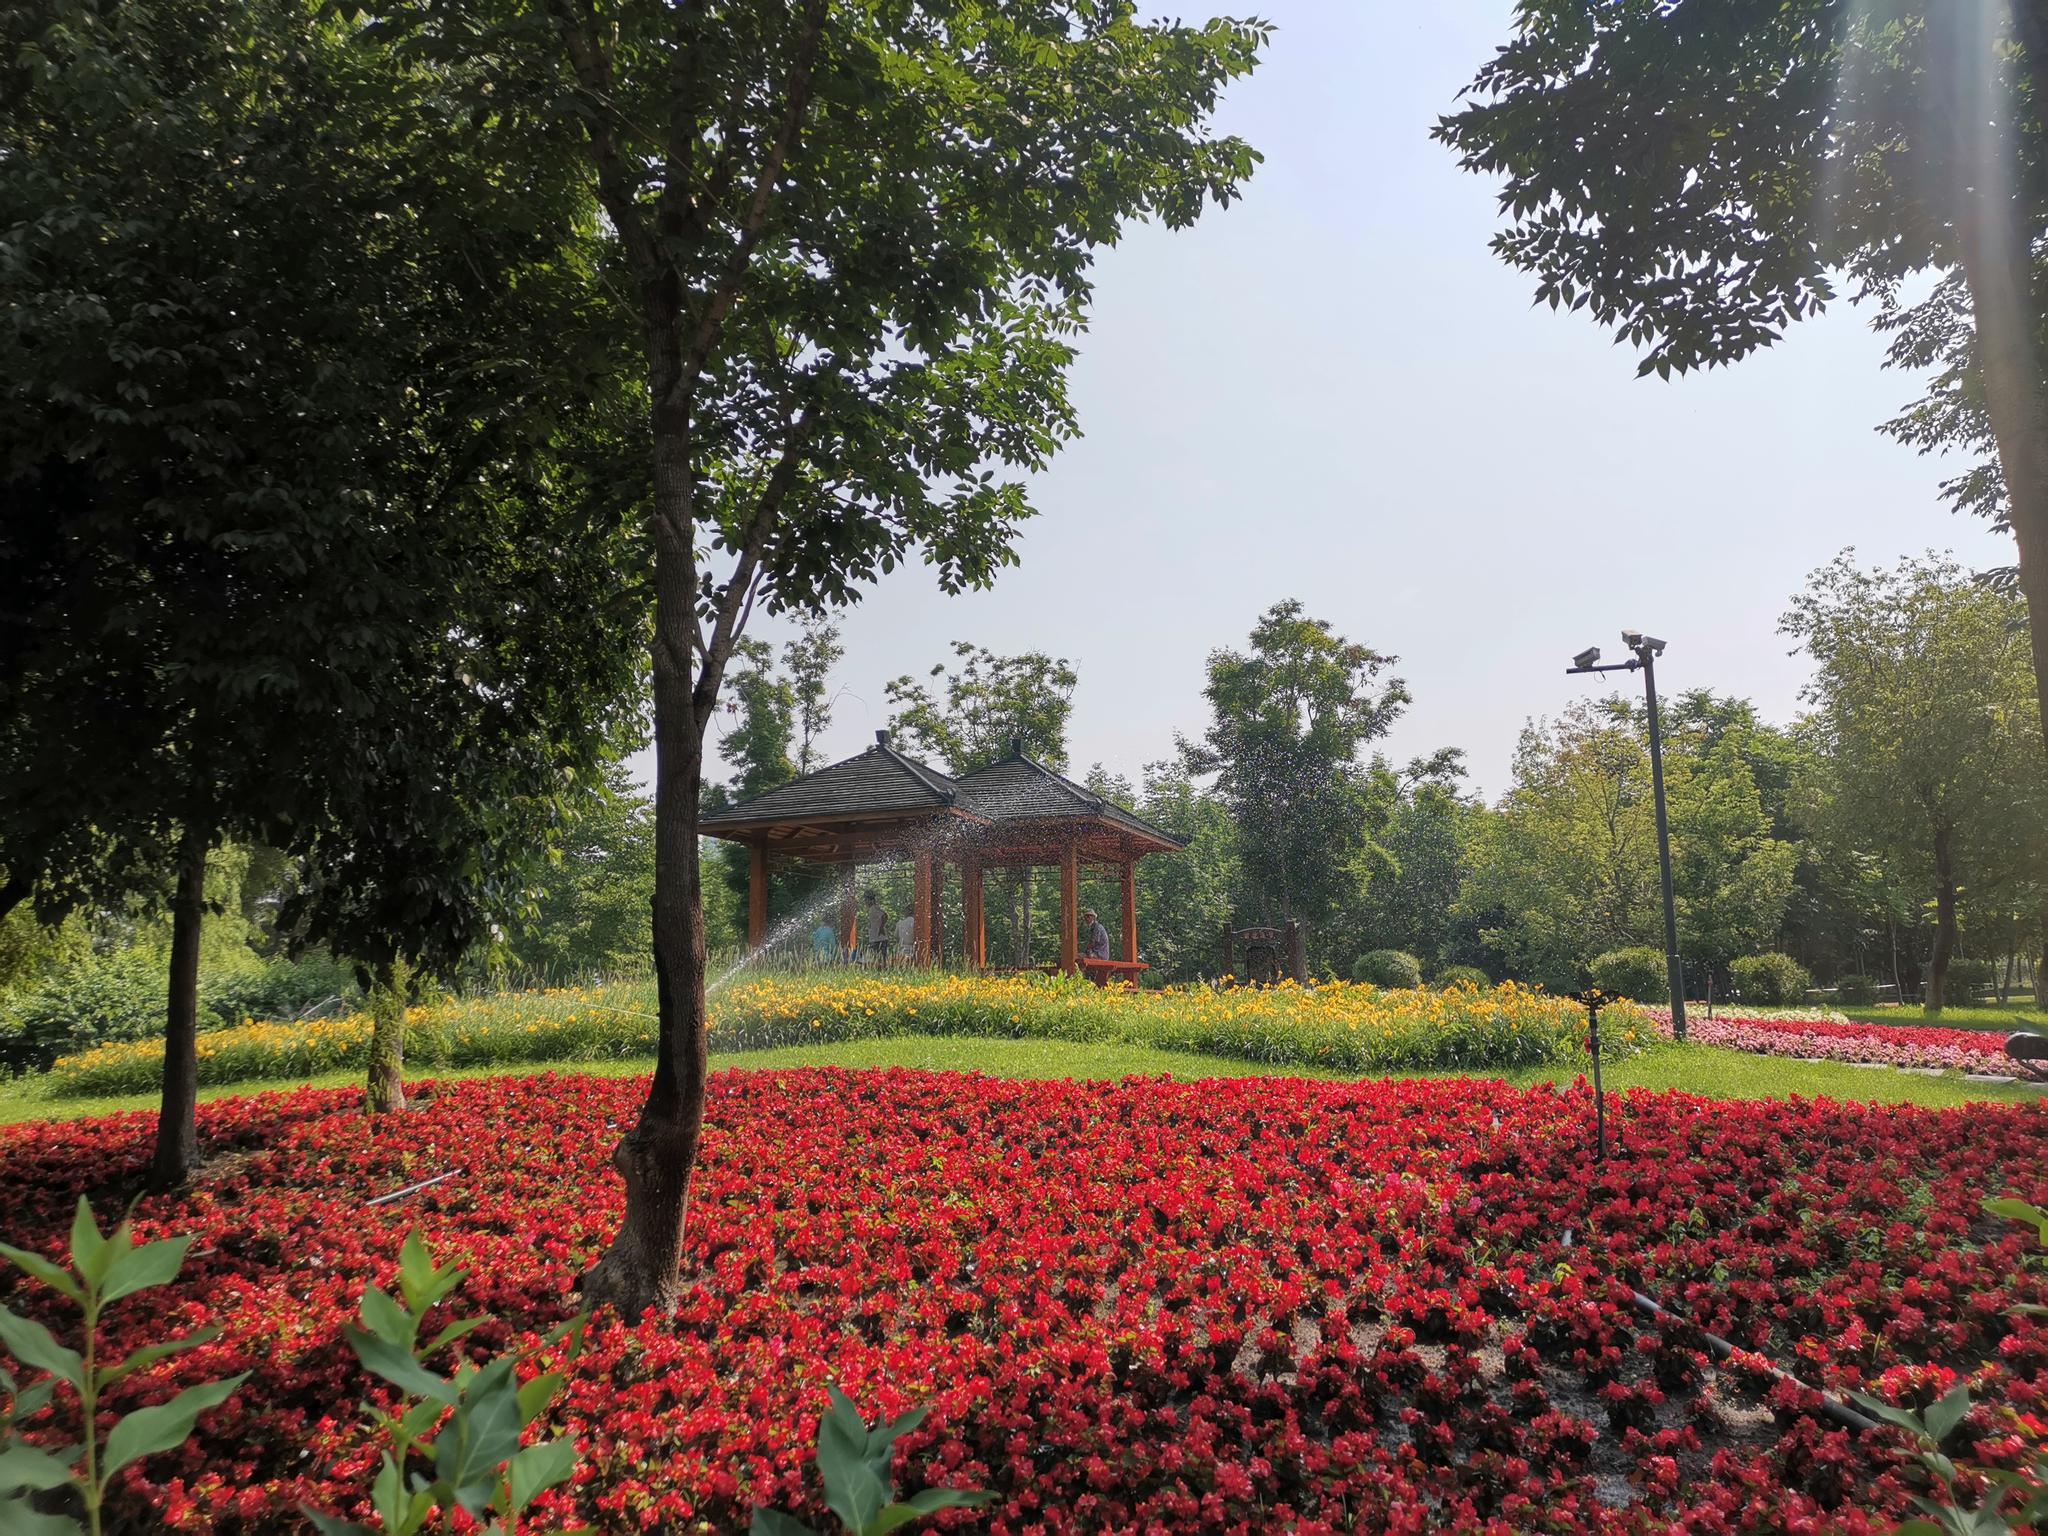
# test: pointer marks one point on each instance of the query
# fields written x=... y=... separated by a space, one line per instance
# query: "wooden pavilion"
x=1012 y=814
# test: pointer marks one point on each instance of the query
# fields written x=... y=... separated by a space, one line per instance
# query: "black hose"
x=1834 y=1408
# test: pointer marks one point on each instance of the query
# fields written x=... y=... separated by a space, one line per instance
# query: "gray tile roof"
x=883 y=782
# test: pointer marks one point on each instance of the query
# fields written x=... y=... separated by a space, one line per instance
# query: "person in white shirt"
x=906 y=939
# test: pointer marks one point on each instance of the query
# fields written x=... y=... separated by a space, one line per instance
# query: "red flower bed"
x=1213 y=1306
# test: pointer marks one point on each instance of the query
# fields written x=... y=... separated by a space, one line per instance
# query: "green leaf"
x=773 y=1522
x=23 y=1466
x=451 y=1333
x=856 y=1495
x=18 y=1519
x=539 y=1467
x=387 y=1319
x=480 y=1434
x=139 y=1269
x=929 y=1501
x=149 y=1354
x=396 y=1365
x=1900 y=1418
x=419 y=1281
x=1945 y=1415
x=32 y=1344
x=89 y=1251
x=2020 y=1210
x=402 y=1510
x=149 y=1430
x=536 y=1394
x=52 y=1275
x=328 y=1525
x=30 y=1400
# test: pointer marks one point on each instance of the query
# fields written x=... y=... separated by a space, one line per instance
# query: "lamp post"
x=1644 y=651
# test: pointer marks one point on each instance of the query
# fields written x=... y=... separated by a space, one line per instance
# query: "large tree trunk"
x=385 y=1092
x=1936 y=994
x=2041 y=964
x=177 y=1133
x=1998 y=266
x=14 y=891
x=640 y=1269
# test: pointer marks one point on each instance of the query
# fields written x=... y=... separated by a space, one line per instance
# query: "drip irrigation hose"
x=413 y=1189
x=1834 y=1408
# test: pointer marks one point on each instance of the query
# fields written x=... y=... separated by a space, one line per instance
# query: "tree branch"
x=755 y=221
x=735 y=598
x=592 y=63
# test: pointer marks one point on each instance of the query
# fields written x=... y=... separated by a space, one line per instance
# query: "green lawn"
x=1698 y=1069
x=1993 y=1016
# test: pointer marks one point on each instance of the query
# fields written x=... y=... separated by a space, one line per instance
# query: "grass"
x=2004 y=1017
x=1696 y=1069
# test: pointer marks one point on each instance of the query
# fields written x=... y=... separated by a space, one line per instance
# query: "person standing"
x=906 y=940
x=874 y=930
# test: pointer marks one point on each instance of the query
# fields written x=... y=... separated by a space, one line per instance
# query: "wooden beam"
x=938 y=912
x=1131 y=910
x=922 y=895
x=1070 y=909
x=757 y=897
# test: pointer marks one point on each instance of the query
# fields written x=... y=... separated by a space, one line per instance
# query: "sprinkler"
x=1593 y=1000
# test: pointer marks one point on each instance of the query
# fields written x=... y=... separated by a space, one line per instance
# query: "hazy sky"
x=1332 y=391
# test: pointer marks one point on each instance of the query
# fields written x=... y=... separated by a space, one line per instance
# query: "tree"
x=858 y=238
x=1411 y=901
x=1924 y=709
x=1566 y=868
x=989 y=707
x=265 y=498
x=1187 y=899
x=765 y=704
x=809 y=660
x=589 y=913
x=1289 y=719
x=1694 y=174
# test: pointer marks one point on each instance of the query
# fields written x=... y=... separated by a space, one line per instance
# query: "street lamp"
x=1645 y=649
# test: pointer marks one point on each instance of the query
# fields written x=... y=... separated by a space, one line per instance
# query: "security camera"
x=1632 y=638
x=1587 y=657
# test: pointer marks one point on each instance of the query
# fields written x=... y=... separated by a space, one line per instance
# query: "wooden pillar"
x=1131 y=910
x=849 y=911
x=922 y=885
x=757 y=897
x=1070 y=909
x=938 y=903
x=973 y=942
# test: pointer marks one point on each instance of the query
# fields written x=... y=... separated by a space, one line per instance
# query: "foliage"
x=841 y=1209
x=589 y=913
x=466 y=1427
x=1462 y=976
x=1638 y=972
x=1567 y=869
x=120 y=997
x=1288 y=720
x=1925 y=716
x=319 y=545
x=103 y=1270
x=1855 y=989
x=1186 y=901
x=1334 y=1025
x=808 y=661
x=765 y=706
x=1387 y=968
x=988 y=705
x=1410 y=900
x=854 y=1465
x=1771 y=978
x=1971 y=978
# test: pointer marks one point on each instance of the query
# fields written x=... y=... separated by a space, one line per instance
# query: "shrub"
x=1638 y=973
x=1856 y=990
x=1387 y=968
x=1970 y=978
x=1463 y=975
x=1769 y=979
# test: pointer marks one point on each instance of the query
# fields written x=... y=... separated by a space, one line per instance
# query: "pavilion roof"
x=882 y=788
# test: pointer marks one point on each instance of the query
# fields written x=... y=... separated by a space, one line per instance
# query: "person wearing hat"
x=1098 y=936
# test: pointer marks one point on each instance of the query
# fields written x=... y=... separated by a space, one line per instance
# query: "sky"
x=1332 y=391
